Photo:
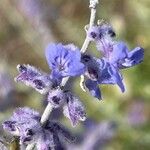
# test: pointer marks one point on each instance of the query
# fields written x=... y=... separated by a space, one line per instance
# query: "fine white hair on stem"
x=46 y=113
x=92 y=6
x=86 y=43
x=48 y=109
x=30 y=146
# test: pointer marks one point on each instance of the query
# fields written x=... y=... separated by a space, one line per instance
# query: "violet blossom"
x=64 y=60
x=25 y=123
x=99 y=71
x=115 y=56
x=35 y=78
x=116 y=53
x=73 y=108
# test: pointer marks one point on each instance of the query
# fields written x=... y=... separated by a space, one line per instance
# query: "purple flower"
x=100 y=32
x=59 y=129
x=122 y=58
x=93 y=88
x=73 y=108
x=57 y=97
x=114 y=52
x=119 y=55
x=64 y=60
x=103 y=37
x=22 y=119
x=116 y=56
x=35 y=78
x=26 y=123
x=45 y=141
x=99 y=71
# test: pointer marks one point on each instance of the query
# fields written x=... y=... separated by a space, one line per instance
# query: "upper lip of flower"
x=63 y=60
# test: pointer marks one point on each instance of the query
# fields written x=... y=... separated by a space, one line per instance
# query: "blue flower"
x=100 y=32
x=122 y=58
x=100 y=71
x=107 y=69
x=119 y=55
x=93 y=88
x=64 y=60
x=115 y=56
x=73 y=108
x=109 y=74
x=116 y=53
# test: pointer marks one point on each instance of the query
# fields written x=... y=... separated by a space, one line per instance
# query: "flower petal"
x=74 y=110
x=93 y=88
x=64 y=60
x=116 y=77
x=56 y=97
x=135 y=57
x=119 y=51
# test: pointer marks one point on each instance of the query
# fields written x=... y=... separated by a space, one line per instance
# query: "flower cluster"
x=64 y=61
x=67 y=61
x=115 y=56
x=25 y=123
x=72 y=107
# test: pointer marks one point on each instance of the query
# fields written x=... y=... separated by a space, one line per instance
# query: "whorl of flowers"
x=115 y=56
x=25 y=123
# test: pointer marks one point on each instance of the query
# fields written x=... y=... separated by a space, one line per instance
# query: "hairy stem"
x=46 y=113
x=92 y=6
x=30 y=146
x=85 y=45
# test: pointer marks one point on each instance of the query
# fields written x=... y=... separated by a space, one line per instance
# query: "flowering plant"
x=70 y=61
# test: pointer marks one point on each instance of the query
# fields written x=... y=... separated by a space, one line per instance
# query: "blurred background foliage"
x=27 y=26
